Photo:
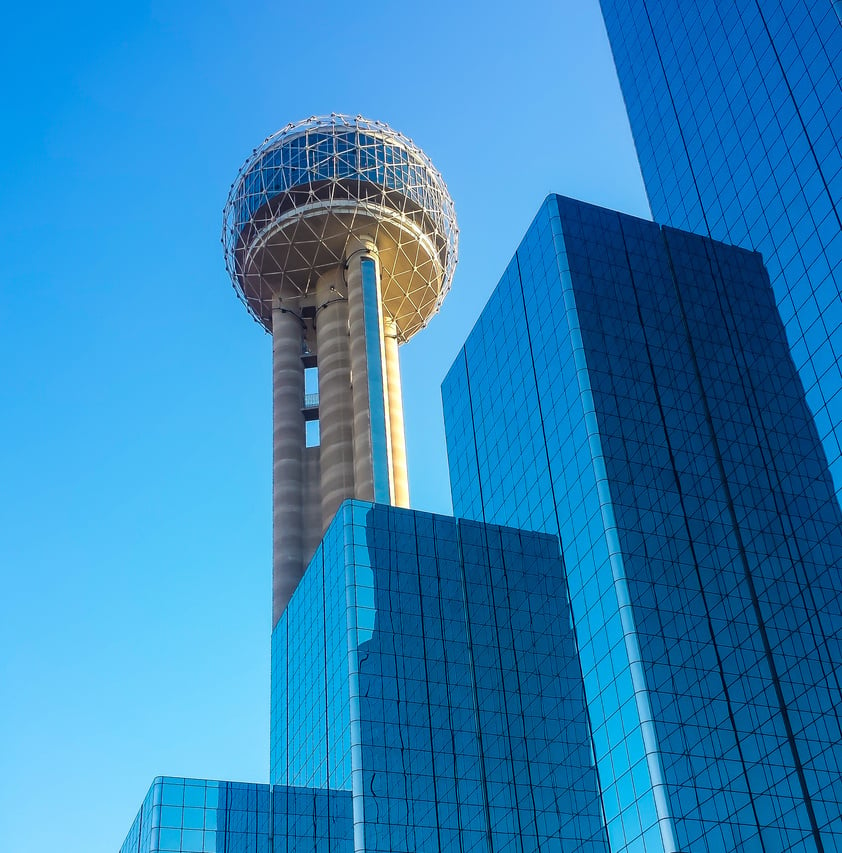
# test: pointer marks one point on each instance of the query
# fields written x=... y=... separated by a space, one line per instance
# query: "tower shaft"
x=361 y=452
x=336 y=413
x=363 y=467
x=288 y=444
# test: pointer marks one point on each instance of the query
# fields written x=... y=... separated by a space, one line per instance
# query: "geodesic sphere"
x=316 y=185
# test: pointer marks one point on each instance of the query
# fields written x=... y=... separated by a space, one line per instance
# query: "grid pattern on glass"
x=736 y=111
x=503 y=388
x=660 y=356
x=139 y=837
x=468 y=726
x=203 y=816
x=310 y=737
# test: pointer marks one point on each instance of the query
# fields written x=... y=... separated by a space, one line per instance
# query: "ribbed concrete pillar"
x=363 y=472
x=288 y=451
x=336 y=412
x=400 y=478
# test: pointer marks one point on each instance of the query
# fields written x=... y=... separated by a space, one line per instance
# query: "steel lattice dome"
x=315 y=185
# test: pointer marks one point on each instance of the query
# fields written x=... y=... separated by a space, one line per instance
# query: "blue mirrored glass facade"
x=427 y=667
x=204 y=816
x=736 y=112
x=629 y=387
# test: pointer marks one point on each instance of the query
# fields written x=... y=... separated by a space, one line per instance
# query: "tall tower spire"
x=340 y=238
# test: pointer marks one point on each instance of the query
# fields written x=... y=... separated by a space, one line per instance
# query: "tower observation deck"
x=340 y=238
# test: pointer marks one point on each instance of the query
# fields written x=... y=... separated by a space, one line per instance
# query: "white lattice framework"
x=315 y=185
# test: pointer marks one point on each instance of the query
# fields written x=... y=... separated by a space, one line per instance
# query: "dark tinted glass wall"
x=467 y=728
x=736 y=111
x=649 y=411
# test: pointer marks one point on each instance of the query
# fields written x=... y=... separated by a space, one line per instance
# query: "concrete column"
x=336 y=412
x=288 y=450
x=363 y=472
x=400 y=478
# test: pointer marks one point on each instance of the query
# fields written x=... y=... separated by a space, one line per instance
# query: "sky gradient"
x=135 y=442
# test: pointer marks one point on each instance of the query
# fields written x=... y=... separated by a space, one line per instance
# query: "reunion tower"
x=340 y=238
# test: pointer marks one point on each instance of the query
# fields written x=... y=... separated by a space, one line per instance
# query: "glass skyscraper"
x=629 y=387
x=427 y=666
x=736 y=112
x=426 y=696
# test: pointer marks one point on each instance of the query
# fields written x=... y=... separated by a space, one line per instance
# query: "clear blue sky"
x=134 y=389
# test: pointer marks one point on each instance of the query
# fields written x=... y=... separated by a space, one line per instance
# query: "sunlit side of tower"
x=340 y=238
